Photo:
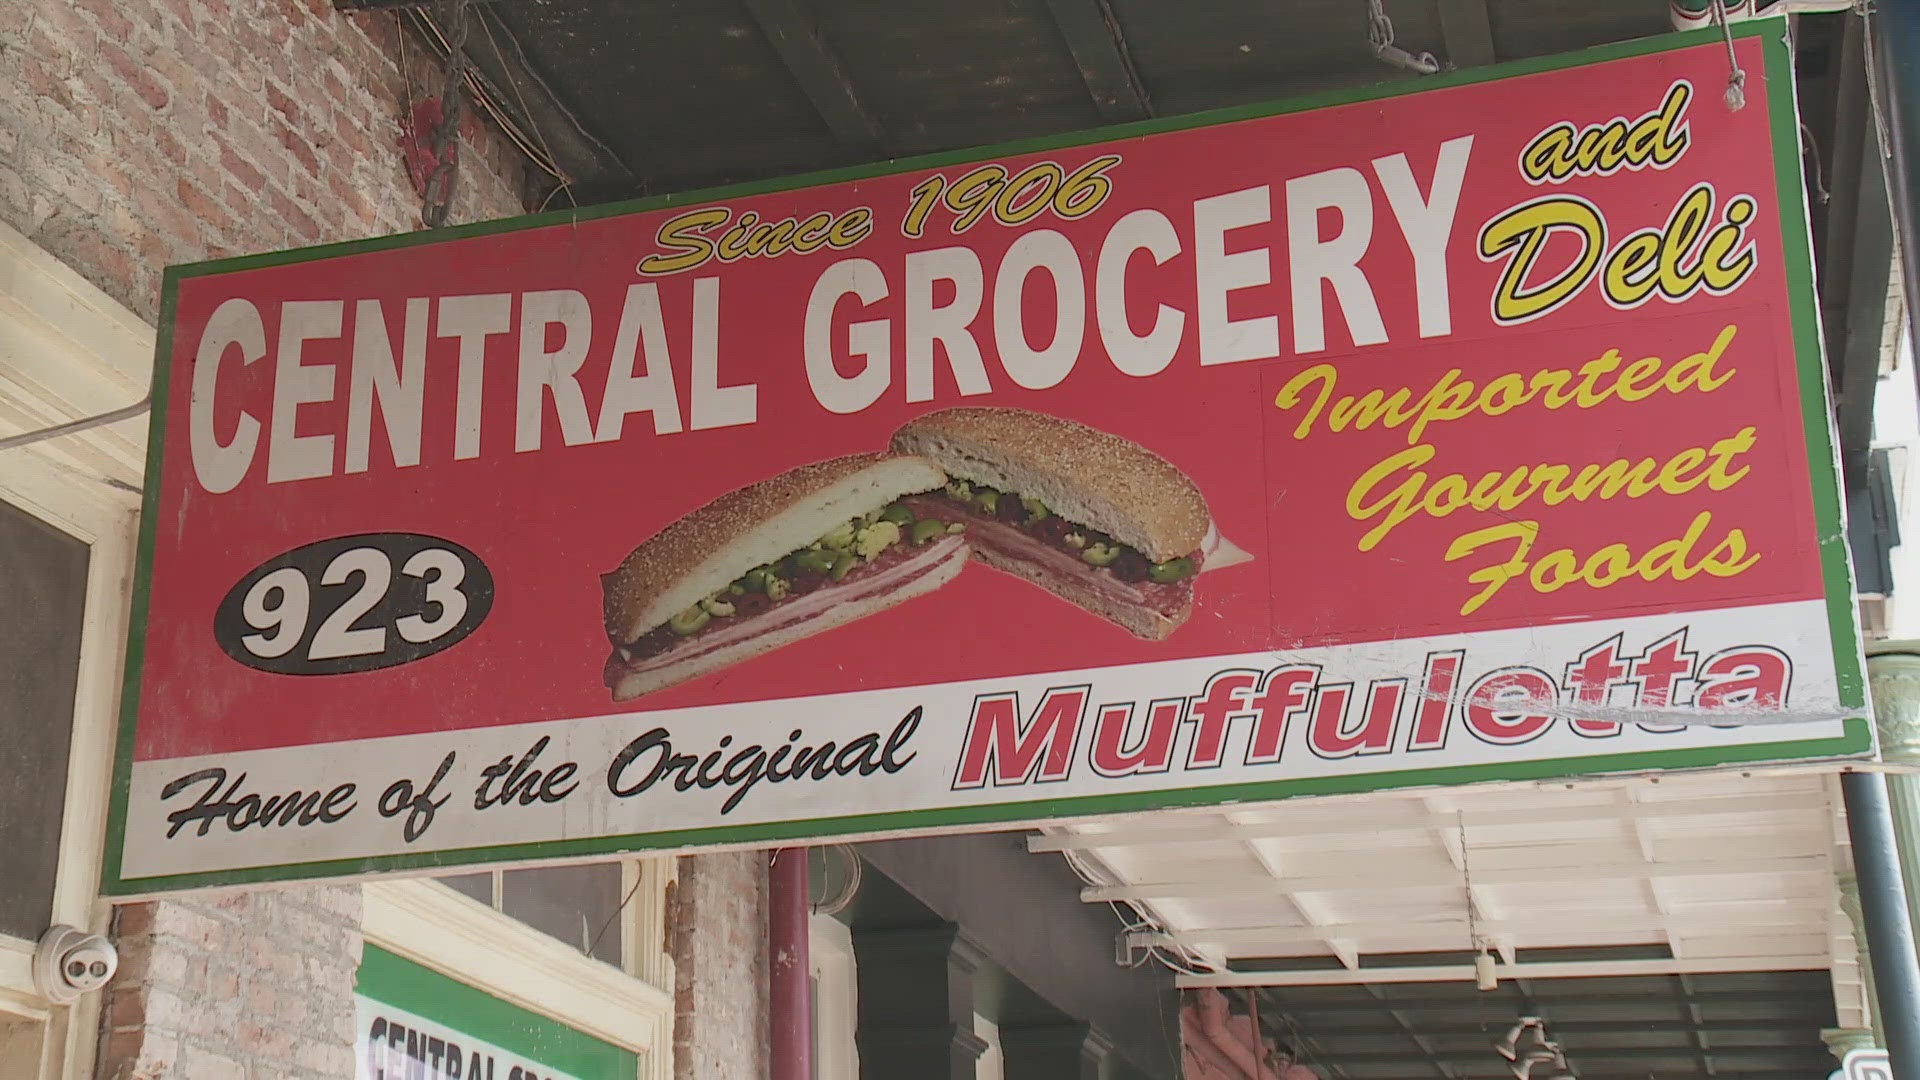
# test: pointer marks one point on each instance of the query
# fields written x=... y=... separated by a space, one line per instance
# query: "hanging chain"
x=1380 y=38
x=1466 y=876
x=452 y=15
x=1736 y=96
x=1379 y=27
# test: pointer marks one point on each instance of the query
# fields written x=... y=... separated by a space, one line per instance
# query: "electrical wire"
x=483 y=96
x=622 y=906
x=1184 y=962
x=552 y=163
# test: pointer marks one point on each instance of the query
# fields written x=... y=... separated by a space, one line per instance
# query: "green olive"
x=987 y=499
x=817 y=561
x=840 y=538
x=875 y=538
x=689 y=620
x=777 y=588
x=755 y=580
x=714 y=605
x=926 y=529
x=1172 y=570
x=842 y=565
x=1099 y=554
x=1036 y=510
x=898 y=514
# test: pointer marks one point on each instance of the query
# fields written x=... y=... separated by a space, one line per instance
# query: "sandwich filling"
x=863 y=558
x=1020 y=527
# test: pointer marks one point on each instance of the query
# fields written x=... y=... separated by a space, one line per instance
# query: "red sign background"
x=547 y=523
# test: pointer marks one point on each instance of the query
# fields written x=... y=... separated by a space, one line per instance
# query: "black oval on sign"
x=354 y=603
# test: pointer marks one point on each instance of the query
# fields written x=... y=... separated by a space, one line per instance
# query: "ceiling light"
x=1484 y=975
x=1523 y=1069
x=1509 y=1046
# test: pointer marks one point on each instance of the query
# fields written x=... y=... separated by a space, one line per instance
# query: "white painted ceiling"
x=1684 y=874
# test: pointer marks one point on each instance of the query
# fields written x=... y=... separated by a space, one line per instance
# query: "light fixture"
x=1485 y=976
x=1509 y=1045
x=1523 y=1069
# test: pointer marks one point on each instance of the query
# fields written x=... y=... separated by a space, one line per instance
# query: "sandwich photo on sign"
x=1093 y=518
x=768 y=564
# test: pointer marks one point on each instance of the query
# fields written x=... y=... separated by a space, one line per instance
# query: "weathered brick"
x=136 y=75
x=114 y=24
x=299 y=147
x=203 y=1063
x=297 y=220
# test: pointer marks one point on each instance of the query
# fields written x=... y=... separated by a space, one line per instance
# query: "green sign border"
x=392 y=979
x=1823 y=466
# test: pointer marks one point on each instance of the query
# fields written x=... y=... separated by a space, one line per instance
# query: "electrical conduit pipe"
x=789 y=998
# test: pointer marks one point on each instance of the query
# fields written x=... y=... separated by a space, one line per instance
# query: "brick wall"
x=717 y=932
x=245 y=985
x=139 y=133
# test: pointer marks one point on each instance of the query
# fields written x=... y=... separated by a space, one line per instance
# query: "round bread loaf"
x=1085 y=475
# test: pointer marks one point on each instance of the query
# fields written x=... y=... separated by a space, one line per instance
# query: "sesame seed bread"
x=1085 y=475
x=703 y=552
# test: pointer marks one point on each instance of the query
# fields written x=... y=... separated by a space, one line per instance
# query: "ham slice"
x=1015 y=544
x=1011 y=543
x=883 y=576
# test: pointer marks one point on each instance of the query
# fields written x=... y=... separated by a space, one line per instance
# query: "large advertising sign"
x=1469 y=429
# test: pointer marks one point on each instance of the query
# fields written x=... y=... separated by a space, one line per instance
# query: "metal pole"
x=1883 y=905
x=790 y=998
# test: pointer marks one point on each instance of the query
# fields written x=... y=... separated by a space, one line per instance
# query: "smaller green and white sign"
x=413 y=1023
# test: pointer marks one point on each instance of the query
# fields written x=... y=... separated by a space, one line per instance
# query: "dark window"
x=478 y=886
x=573 y=903
x=576 y=904
x=43 y=585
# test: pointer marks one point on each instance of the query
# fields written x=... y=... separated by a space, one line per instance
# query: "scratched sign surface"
x=1480 y=431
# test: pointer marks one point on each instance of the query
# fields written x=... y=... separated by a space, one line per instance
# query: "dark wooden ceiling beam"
x=1811 y=1054
x=1325 y=1032
x=1468 y=33
x=814 y=66
x=1298 y=1003
x=1100 y=50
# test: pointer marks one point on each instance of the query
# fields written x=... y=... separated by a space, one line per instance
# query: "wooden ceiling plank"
x=1345 y=949
x=1393 y=879
x=1696 y=1026
x=1622 y=1053
x=1353 y=824
x=817 y=70
x=1476 y=1005
x=1547 y=969
x=1100 y=51
x=1746 y=922
x=1434 y=1059
x=1467 y=1029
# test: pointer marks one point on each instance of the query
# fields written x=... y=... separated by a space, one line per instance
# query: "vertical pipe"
x=790 y=998
x=1883 y=905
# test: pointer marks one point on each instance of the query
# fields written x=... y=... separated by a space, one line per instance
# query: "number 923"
x=354 y=603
